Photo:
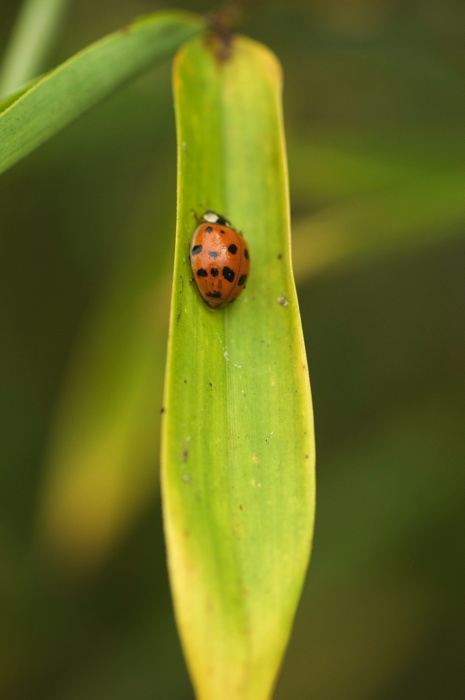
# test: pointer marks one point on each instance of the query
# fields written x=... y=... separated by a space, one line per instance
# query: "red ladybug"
x=220 y=260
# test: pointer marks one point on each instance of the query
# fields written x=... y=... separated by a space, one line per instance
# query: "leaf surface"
x=238 y=444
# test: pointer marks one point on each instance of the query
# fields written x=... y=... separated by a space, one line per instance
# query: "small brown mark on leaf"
x=220 y=23
x=185 y=452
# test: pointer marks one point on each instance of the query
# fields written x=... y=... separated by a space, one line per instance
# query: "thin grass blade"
x=31 y=40
x=87 y=78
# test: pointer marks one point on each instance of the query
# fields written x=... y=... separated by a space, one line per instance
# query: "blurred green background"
x=374 y=104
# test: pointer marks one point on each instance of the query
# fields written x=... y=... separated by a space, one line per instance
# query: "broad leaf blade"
x=238 y=446
x=88 y=77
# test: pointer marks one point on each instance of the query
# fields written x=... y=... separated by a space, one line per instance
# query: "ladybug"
x=219 y=259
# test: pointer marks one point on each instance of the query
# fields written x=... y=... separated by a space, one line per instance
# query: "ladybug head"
x=211 y=217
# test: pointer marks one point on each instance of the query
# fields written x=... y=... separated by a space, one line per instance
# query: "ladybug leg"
x=197 y=218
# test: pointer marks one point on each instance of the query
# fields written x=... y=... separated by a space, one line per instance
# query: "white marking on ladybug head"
x=211 y=217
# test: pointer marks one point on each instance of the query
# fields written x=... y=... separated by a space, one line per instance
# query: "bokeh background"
x=374 y=104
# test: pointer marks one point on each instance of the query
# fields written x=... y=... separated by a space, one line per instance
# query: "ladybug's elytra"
x=220 y=260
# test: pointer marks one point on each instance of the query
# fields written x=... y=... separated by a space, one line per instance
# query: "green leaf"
x=11 y=99
x=238 y=444
x=88 y=77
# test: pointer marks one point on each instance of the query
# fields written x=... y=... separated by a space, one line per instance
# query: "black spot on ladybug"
x=246 y=254
x=214 y=272
x=221 y=231
x=215 y=295
x=208 y=229
x=233 y=249
x=212 y=254
x=228 y=274
x=202 y=272
x=242 y=280
x=196 y=249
